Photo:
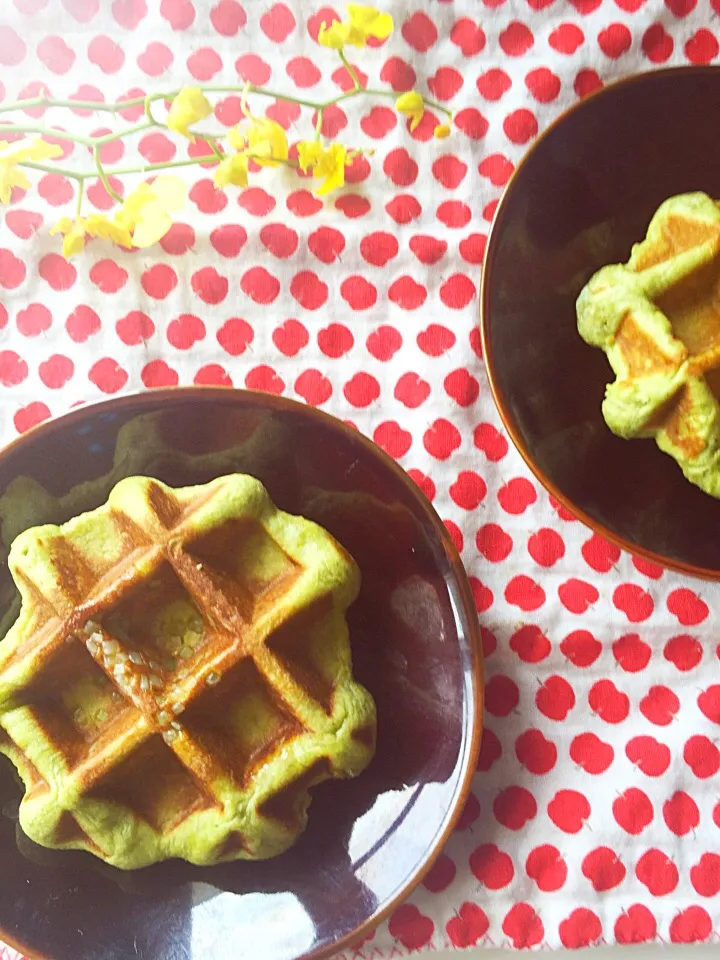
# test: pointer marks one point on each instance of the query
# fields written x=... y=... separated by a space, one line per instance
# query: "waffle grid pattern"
x=165 y=736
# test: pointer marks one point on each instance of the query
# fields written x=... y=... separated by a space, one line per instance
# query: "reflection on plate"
x=415 y=644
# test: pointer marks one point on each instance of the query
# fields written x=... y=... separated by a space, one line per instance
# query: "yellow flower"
x=11 y=154
x=96 y=225
x=146 y=211
x=189 y=106
x=363 y=22
x=328 y=163
x=411 y=104
x=234 y=170
x=441 y=131
x=266 y=141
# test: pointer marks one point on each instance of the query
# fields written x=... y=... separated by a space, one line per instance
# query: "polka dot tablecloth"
x=595 y=813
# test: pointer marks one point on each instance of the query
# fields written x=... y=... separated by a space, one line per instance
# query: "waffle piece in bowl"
x=179 y=675
x=658 y=320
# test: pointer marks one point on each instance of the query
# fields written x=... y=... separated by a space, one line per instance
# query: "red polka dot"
x=457 y=291
x=525 y=593
x=569 y=810
x=107 y=375
x=523 y=926
x=253 y=69
x=615 y=40
x=419 y=32
x=493 y=542
x=472 y=123
x=449 y=171
x=543 y=84
x=517 y=495
x=379 y=248
x=566 y=38
x=591 y=753
x=265 y=379
x=684 y=651
x=383 y=343
x=313 y=387
x=436 y=340
x=488 y=438
x=581 y=929
x=412 y=390
x=441 y=439
x=493 y=84
x=687 y=607
x=546 y=547
x=469 y=490
x=135 y=328
x=212 y=375
x=516 y=39
x=657 y=45
x=400 y=167
x=13 y=369
x=657 y=872
x=631 y=653
x=157 y=373
x=586 y=82
x=424 y=482
x=530 y=644
x=361 y=390
x=358 y=293
x=498 y=170
x=581 y=648
x=633 y=811
x=30 y=416
x=636 y=924
x=702 y=47
x=457 y=538
x=236 y=335
x=608 y=703
x=691 y=925
x=335 y=340
x=636 y=603
x=520 y=126
x=462 y=387
x=392 y=438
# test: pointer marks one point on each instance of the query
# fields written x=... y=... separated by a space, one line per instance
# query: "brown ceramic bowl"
x=415 y=641
x=581 y=197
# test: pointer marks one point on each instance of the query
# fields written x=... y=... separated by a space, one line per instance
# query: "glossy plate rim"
x=612 y=89
x=471 y=741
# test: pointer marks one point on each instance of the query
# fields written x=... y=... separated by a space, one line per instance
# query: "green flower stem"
x=121 y=134
x=96 y=143
x=31 y=102
x=432 y=104
x=92 y=142
x=118 y=105
x=80 y=195
x=103 y=176
x=152 y=167
x=144 y=168
x=351 y=70
x=60 y=171
x=42 y=130
x=212 y=143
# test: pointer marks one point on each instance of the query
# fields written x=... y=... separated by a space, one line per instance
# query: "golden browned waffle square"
x=658 y=320
x=180 y=674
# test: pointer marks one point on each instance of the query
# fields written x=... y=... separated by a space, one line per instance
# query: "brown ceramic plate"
x=415 y=645
x=581 y=197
